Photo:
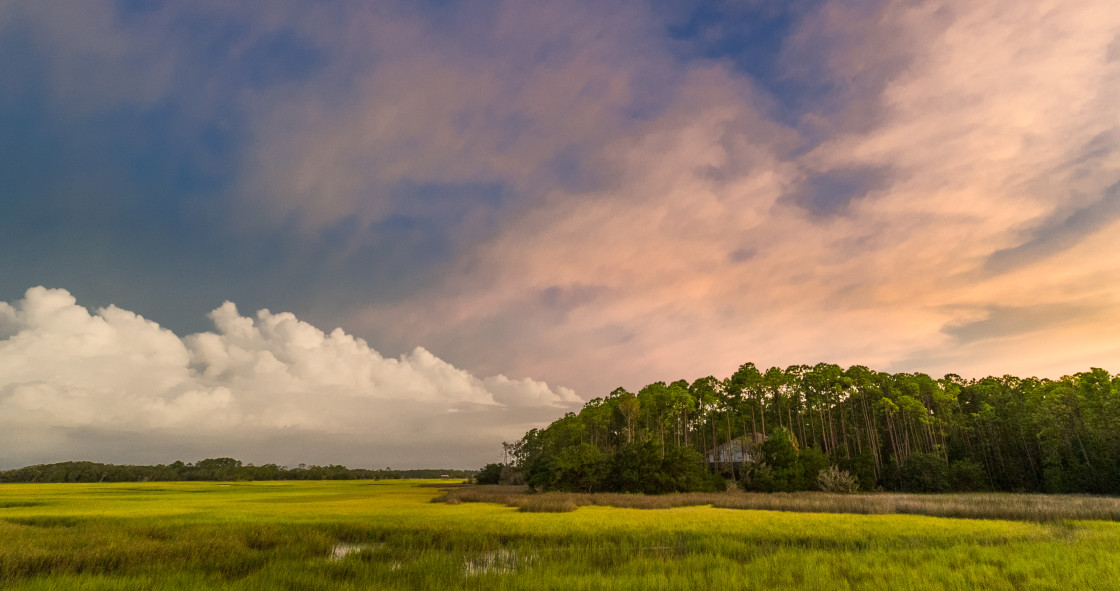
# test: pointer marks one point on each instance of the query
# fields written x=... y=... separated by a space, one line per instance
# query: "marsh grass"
x=1003 y=506
x=361 y=535
x=11 y=504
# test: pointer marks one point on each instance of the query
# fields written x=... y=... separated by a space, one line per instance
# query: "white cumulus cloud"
x=114 y=386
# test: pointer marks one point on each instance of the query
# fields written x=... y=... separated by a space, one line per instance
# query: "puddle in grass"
x=496 y=561
x=342 y=550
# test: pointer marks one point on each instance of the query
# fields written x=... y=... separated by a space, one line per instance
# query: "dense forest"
x=224 y=469
x=827 y=427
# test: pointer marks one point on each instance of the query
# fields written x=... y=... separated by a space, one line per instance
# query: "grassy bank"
x=388 y=535
x=1004 y=506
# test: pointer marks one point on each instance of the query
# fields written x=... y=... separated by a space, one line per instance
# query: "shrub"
x=925 y=472
x=636 y=468
x=686 y=471
x=489 y=474
x=862 y=467
x=835 y=480
x=758 y=478
x=813 y=461
x=781 y=454
x=967 y=475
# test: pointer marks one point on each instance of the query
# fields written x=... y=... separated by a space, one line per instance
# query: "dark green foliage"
x=780 y=453
x=863 y=468
x=925 y=473
x=685 y=469
x=759 y=478
x=967 y=476
x=489 y=474
x=780 y=450
x=784 y=468
x=636 y=468
x=812 y=461
x=216 y=469
x=580 y=467
x=643 y=466
x=904 y=432
x=225 y=469
x=891 y=476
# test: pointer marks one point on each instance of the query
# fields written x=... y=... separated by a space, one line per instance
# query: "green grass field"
x=388 y=535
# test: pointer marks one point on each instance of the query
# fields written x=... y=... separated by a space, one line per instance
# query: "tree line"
x=899 y=432
x=221 y=469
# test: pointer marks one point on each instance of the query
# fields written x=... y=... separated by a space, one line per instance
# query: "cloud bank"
x=962 y=165
x=591 y=194
x=114 y=386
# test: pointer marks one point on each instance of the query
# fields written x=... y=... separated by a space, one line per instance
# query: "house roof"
x=744 y=442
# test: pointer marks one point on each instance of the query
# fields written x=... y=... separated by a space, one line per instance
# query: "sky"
x=400 y=233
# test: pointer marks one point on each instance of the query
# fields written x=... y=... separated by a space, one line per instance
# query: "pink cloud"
x=982 y=132
x=686 y=242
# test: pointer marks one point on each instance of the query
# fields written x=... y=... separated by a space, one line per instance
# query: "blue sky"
x=580 y=196
x=127 y=199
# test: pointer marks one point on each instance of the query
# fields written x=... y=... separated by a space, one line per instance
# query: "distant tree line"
x=222 y=469
x=809 y=427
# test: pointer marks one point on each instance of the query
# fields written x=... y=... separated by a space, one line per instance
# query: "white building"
x=745 y=449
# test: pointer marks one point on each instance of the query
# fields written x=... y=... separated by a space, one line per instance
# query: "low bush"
x=835 y=480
